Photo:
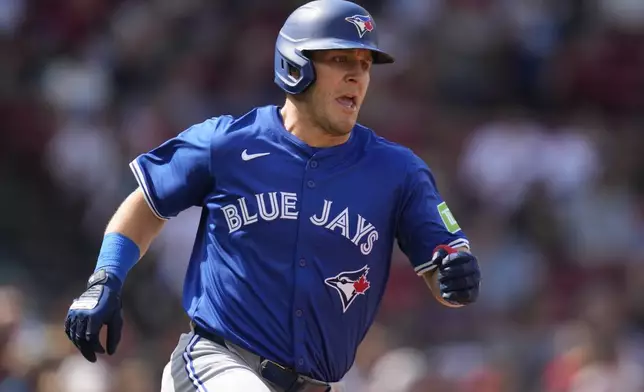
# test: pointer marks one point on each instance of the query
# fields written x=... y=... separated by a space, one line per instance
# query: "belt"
x=280 y=376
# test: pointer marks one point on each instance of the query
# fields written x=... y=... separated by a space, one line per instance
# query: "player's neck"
x=300 y=125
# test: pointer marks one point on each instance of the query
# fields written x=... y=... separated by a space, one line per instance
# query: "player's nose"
x=357 y=73
x=355 y=77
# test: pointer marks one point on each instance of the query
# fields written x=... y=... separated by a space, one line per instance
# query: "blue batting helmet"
x=322 y=25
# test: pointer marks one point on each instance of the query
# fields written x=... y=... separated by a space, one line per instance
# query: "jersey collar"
x=328 y=154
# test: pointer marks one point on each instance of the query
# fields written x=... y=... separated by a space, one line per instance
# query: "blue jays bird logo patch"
x=363 y=23
x=350 y=285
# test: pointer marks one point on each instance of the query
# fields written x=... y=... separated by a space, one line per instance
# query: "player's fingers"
x=465 y=283
x=87 y=351
x=81 y=341
x=68 y=324
x=92 y=335
x=95 y=343
x=458 y=271
x=114 y=332
x=72 y=330
x=81 y=327
x=462 y=297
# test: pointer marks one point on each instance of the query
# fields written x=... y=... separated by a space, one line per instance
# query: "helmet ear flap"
x=291 y=77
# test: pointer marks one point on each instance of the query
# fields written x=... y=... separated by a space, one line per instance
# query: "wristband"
x=118 y=255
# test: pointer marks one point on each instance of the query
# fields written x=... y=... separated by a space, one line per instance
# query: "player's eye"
x=340 y=59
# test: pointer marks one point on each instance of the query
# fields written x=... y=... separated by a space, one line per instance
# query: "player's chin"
x=344 y=125
x=339 y=128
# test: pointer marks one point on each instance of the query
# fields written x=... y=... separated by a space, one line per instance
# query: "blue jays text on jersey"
x=363 y=235
x=293 y=250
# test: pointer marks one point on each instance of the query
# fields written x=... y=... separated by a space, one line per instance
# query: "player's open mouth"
x=348 y=101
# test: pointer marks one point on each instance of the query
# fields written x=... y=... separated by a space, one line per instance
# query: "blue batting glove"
x=459 y=276
x=99 y=305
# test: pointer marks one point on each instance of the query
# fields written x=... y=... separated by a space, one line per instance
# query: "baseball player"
x=301 y=208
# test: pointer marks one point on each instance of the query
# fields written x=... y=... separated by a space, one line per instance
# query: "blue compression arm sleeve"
x=118 y=255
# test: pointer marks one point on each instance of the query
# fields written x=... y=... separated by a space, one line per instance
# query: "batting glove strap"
x=102 y=277
x=96 y=285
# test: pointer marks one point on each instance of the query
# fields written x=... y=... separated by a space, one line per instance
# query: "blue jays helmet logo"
x=350 y=285
x=363 y=23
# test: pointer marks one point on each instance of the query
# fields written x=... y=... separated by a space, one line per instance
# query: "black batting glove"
x=459 y=276
x=99 y=305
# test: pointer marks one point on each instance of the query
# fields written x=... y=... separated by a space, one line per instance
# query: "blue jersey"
x=294 y=245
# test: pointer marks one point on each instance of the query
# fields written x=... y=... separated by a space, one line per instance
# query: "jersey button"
x=298 y=313
x=300 y=361
x=310 y=184
x=302 y=262
x=314 y=164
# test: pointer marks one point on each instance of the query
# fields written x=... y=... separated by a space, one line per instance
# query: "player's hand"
x=458 y=276
x=99 y=305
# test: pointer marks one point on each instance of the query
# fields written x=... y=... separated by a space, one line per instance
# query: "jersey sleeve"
x=425 y=221
x=177 y=174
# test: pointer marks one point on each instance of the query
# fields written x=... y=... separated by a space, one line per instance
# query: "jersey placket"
x=302 y=260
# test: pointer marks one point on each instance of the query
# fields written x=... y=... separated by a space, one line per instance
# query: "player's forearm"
x=135 y=220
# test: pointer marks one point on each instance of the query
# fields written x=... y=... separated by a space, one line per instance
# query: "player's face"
x=342 y=79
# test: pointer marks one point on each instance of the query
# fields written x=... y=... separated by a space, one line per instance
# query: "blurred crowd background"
x=529 y=112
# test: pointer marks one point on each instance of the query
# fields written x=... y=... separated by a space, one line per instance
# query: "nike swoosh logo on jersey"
x=247 y=157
